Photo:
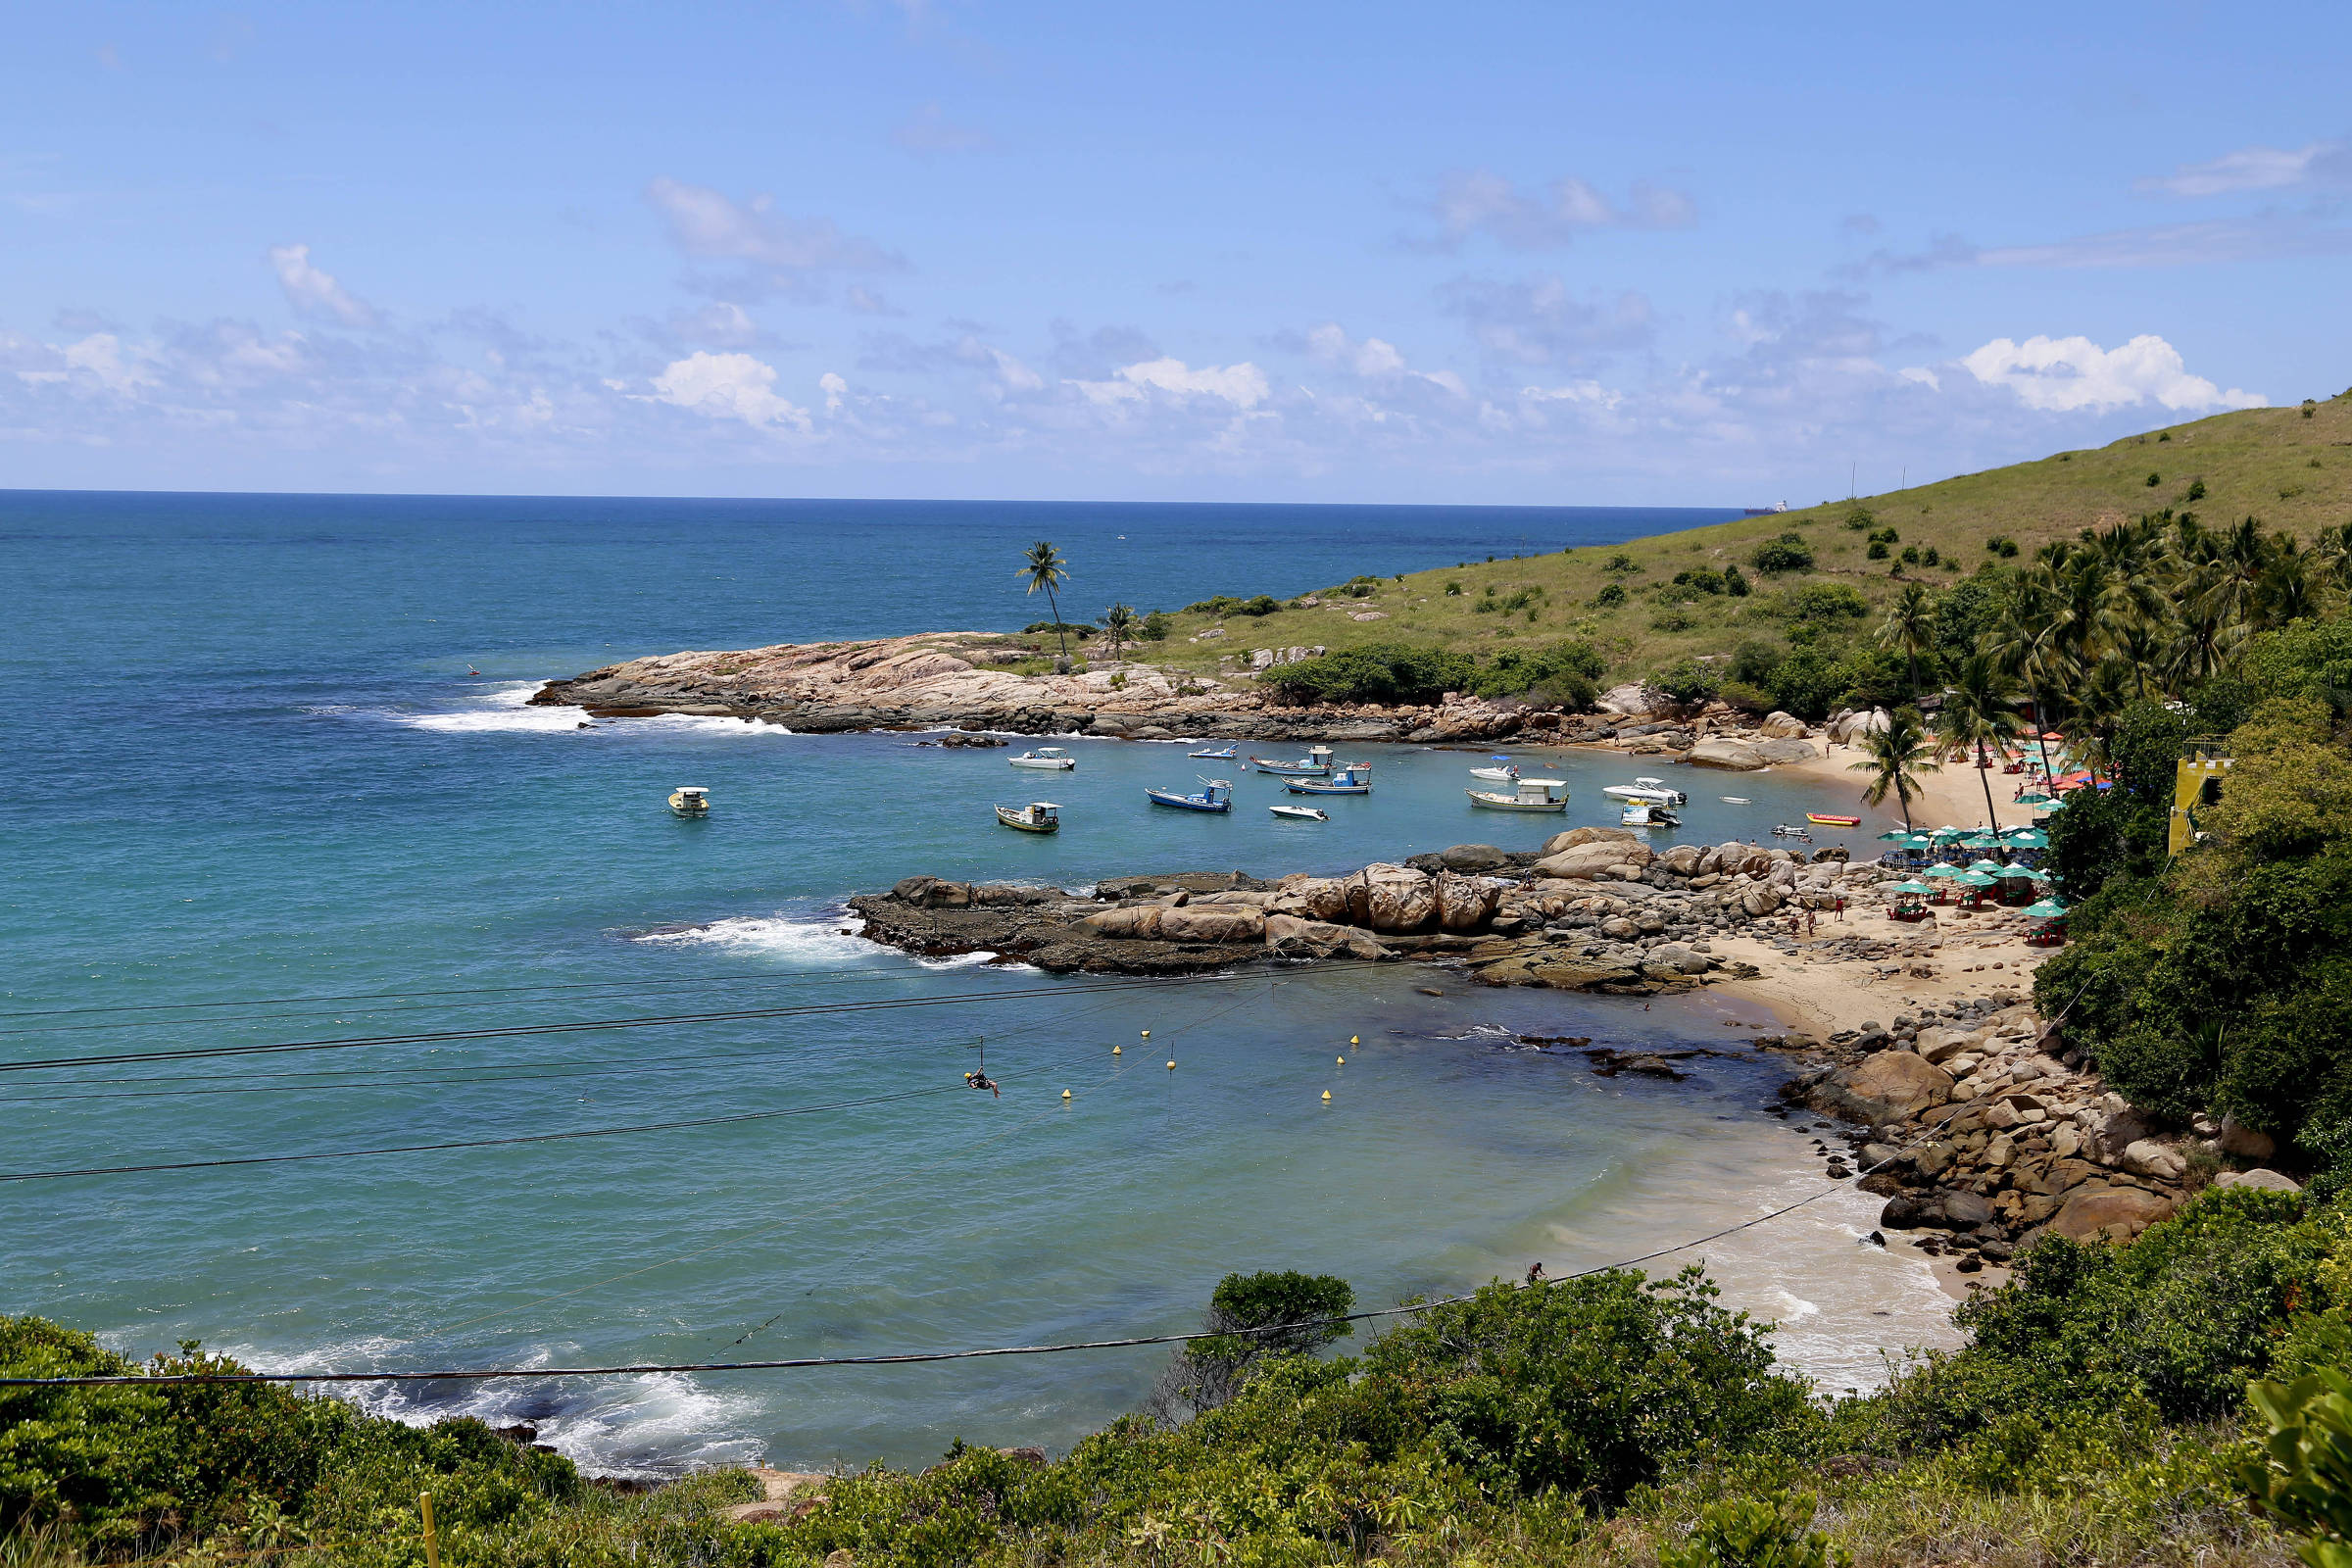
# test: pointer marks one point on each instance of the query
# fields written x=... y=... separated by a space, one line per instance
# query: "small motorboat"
x=1642 y=813
x=1782 y=830
x=1654 y=790
x=1217 y=754
x=1046 y=756
x=1353 y=779
x=1530 y=795
x=1216 y=795
x=1315 y=764
x=1504 y=774
x=1038 y=816
x=1737 y=800
x=1300 y=814
x=1827 y=819
x=690 y=800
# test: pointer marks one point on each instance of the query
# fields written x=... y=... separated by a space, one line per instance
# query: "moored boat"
x=1656 y=791
x=1315 y=764
x=1300 y=814
x=1217 y=754
x=1038 y=816
x=1528 y=795
x=690 y=800
x=1646 y=814
x=1052 y=757
x=1355 y=778
x=1503 y=774
x=1216 y=795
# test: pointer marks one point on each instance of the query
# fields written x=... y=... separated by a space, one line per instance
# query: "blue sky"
x=1508 y=253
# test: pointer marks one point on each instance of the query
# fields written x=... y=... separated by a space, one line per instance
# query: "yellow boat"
x=1038 y=816
x=690 y=800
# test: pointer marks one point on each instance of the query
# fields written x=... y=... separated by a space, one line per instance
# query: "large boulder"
x=1777 y=725
x=2148 y=1158
x=1588 y=861
x=931 y=893
x=1315 y=898
x=1941 y=1046
x=1288 y=936
x=1212 y=923
x=1785 y=748
x=1473 y=857
x=1717 y=752
x=1139 y=922
x=2236 y=1138
x=2269 y=1181
x=1890 y=1086
x=1683 y=859
x=1465 y=903
x=1577 y=836
x=2108 y=1213
x=1391 y=898
x=1635 y=700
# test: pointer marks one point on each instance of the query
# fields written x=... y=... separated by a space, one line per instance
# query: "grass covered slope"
x=2291 y=467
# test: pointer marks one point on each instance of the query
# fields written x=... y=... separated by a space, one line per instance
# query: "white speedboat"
x=1300 y=814
x=1642 y=814
x=1502 y=773
x=1046 y=757
x=1653 y=790
x=691 y=799
x=1528 y=795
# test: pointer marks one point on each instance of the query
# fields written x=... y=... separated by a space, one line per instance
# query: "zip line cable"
x=729 y=1015
x=903 y=1358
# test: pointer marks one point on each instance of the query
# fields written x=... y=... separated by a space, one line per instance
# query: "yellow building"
x=2196 y=784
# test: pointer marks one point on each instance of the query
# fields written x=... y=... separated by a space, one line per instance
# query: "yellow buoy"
x=1146 y=1034
x=1343 y=1062
x=1117 y=1049
x=1172 y=1064
x=1065 y=1094
x=1351 y=1040
x=1326 y=1094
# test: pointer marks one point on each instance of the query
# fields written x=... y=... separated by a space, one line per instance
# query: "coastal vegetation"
x=2097 y=1413
x=1790 y=609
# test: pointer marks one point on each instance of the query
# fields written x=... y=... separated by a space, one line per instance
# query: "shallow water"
x=251 y=765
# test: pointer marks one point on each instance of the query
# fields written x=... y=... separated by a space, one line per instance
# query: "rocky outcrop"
x=1749 y=755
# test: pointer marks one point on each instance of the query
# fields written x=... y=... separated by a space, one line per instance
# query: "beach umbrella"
x=2031 y=838
x=1981 y=841
x=1989 y=867
x=1895 y=836
x=1910 y=887
x=2047 y=910
x=1918 y=841
x=1941 y=868
x=2050 y=805
x=1947 y=832
x=2031 y=798
x=1975 y=879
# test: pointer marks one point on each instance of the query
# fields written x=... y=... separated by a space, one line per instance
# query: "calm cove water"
x=255 y=794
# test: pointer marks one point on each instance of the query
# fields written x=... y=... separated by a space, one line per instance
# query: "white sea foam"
x=646 y=1427
x=824 y=937
x=507 y=710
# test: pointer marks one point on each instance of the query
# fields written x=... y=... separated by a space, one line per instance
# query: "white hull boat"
x=1654 y=791
x=1528 y=795
x=1300 y=814
x=1052 y=757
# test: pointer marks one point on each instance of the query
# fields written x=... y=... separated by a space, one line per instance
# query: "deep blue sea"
x=270 y=779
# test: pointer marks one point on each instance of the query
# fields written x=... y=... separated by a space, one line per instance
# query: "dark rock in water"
x=521 y=1431
x=1473 y=857
x=1905 y=1211
x=962 y=738
x=1877 y=1239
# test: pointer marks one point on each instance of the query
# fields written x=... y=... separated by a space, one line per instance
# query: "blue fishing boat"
x=1216 y=795
x=1353 y=779
x=1220 y=753
x=1315 y=764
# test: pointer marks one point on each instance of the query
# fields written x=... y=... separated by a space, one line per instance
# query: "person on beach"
x=1535 y=1274
x=1840 y=912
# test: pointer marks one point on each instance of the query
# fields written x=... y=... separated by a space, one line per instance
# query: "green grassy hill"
x=2290 y=466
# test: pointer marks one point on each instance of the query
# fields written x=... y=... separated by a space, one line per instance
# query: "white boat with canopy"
x=1528 y=795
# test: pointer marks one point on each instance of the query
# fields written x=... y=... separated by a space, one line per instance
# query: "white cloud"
x=2321 y=163
x=834 y=388
x=1537 y=320
x=728 y=386
x=1470 y=201
x=1585 y=392
x=930 y=134
x=315 y=292
x=794 y=250
x=1243 y=385
x=2067 y=374
x=1372 y=360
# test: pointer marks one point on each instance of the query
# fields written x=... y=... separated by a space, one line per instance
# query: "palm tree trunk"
x=1985 y=777
x=1054 y=605
x=2041 y=726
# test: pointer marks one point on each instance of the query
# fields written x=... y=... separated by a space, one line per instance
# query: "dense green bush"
x=1787 y=553
x=1377 y=672
x=1611 y=595
x=1565 y=674
x=1686 y=680
x=1823 y=603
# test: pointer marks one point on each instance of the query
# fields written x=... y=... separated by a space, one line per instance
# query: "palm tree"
x=2029 y=643
x=1045 y=568
x=1118 y=626
x=1980 y=711
x=1909 y=628
x=1897 y=755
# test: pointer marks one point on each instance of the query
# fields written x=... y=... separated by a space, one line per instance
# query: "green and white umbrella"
x=1910 y=887
x=1896 y=836
x=2047 y=910
x=2031 y=838
x=1975 y=879
x=1991 y=868
x=1943 y=868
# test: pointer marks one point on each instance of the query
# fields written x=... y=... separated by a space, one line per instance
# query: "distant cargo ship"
x=1763 y=512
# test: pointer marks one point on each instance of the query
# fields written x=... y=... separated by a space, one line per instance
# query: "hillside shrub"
x=1377 y=672
x=1564 y=673
x=1823 y=603
x=1156 y=626
x=1611 y=595
x=1686 y=680
x=1787 y=553
x=1735 y=581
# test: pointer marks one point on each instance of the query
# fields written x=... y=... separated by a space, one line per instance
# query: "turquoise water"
x=255 y=796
